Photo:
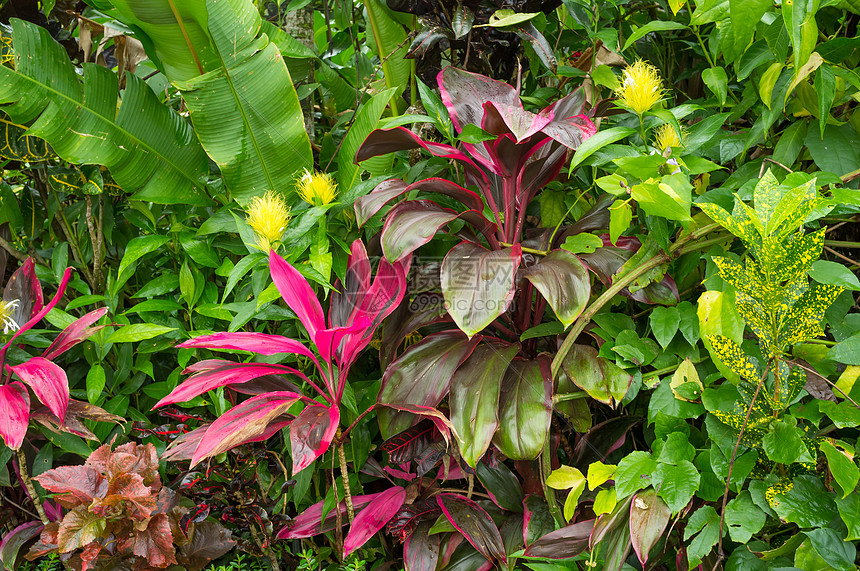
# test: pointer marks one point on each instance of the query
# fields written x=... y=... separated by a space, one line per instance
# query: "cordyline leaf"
x=14 y=414
x=242 y=422
x=421 y=377
x=373 y=518
x=78 y=528
x=383 y=141
x=48 y=381
x=421 y=550
x=368 y=205
x=407 y=445
x=42 y=312
x=600 y=378
x=311 y=434
x=410 y=225
x=78 y=331
x=261 y=343
x=525 y=409
x=310 y=522
x=474 y=398
x=410 y=516
x=562 y=543
x=24 y=286
x=649 y=516
x=227 y=374
x=296 y=291
x=479 y=284
x=475 y=524
x=563 y=281
x=14 y=540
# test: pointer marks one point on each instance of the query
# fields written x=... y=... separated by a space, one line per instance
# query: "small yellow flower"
x=317 y=189
x=641 y=88
x=7 y=316
x=666 y=136
x=268 y=216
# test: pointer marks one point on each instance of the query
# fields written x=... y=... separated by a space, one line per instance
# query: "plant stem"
x=549 y=493
x=344 y=474
x=31 y=490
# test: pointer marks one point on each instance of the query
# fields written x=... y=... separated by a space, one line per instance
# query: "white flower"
x=7 y=313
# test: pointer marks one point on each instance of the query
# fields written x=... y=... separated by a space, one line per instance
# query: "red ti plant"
x=21 y=309
x=357 y=309
x=499 y=388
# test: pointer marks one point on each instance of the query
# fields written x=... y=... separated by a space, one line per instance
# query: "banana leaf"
x=149 y=149
x=236 y=85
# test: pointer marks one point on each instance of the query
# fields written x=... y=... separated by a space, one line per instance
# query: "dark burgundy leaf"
x=368 y=205
x=502 y=486
x=525 y=408
x=537 y=519
x=421 y=550
x=422 y=310
x=430 y=458
x=47 y=542
x=407 y=445
x=603 y=439
x=154 y=544
x=208 y=541
x=475 y=524
x=196 y=515
x=404 y=522
x=384 y=141
x=562 y=543
x=24 y=287
x=311 y=434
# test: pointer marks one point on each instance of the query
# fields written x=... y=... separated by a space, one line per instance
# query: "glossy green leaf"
x=600 y=378
x=474 y=398
x=717 y=81
x=664 y=323
x=634 y=473
x=830 y=546
x=704 y=530
x=597 y=142
x=137 y=332
x=806 y=503
x=652 y=26
x=676 y=484
x=844 y=468
x=620 y=216
x=849 y=512
x=834 y=273
x=743 y=517
x=95 y=383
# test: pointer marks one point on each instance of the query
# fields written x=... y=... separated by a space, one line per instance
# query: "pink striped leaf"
x=75 y=333
x=43 y=311
x=244 y=422
x=260 y=343
x=14 y=414
x=226 y=374
x=24 y=287
x=311 y=522
x=475 y=524
x=373 y=518
x=296 y=291
x=48 y=381
x=311 y=434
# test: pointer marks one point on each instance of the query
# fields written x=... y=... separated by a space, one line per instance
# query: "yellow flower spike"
x=641 y=87
x=665 y=137
x=268 y=216
x=7 y=316
x=316 y=188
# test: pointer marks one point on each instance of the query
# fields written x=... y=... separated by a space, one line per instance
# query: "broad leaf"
x=475 y=524
x=311 y=434
x=297 y=292
x=80 y=527
x=649 y=516
x=421 y=550
x=48 y=381
x=78 y=331
x=24 y=286
x=525 y=409
x=478 y=284
x=14 y=414
x=563 y=280
x=148 y=148
x=474 y=398
x=312 y=522
x=562 y=543
x=600 y=378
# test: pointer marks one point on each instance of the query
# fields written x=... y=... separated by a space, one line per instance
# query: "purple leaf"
x=310 y=522
x=261 y=343
x=600 y=378
x=474 y=398
x=562 y=543
x=465 y=93
x=421 y=377
x=24 y=287
x=226 y=374
x=244 y=421
x=349 y=294
x=407 y=445
x=368 y=205
x=525 y=409
x=384 y=141
x=410 y=516
x=412 y=224
x=311 y=434
x=14 y=540
x=78 y=331
x=421 y=550
x=425 y=309
x=475 y=524
x=479 y=284
x=296 y=291
x=649 y=516
x=436 y=417
x=14 y=414
x=563 y=281
x=373 y=518
x=41 y=312
x=48 y=381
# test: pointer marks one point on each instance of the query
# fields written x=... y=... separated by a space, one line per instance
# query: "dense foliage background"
x=429 y=284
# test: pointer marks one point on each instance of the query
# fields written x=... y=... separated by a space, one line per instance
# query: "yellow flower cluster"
x=268 y=216
x=666 y=137
x=317 y=189
x=641 y=87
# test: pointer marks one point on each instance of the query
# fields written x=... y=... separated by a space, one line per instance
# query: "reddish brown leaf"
x=126 y=491
x=78 y=528
x=78 y=485
x=209 y=541
x=155 y=543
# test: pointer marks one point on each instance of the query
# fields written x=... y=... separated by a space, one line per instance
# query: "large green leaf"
x=525 y=409
x=389 y=44
x=148 y=148
x=242 y=100
x=366 y=120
